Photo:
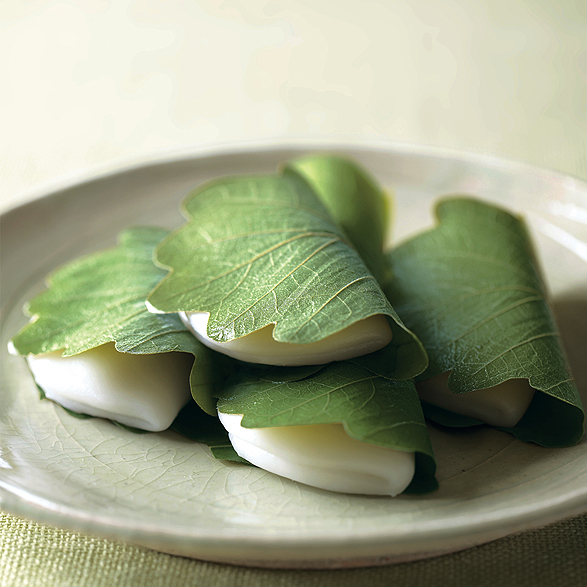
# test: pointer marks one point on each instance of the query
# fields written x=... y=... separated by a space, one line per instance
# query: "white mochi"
x=142 y=391
x=502 y=405
x=323 y=456
x=361 y=338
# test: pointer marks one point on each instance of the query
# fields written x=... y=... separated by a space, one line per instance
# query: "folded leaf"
x=372 y=409
x=264 y=250
x=355 y=202
x=196 y=425
x=472 y=292
x=101 y=298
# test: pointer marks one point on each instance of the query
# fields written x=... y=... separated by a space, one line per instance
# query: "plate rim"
x=125 y=164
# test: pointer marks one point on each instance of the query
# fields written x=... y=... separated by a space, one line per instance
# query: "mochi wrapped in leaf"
x=338 y=427
x=355 y=202
x=93 y=347
x=472 y=291
x=263 y=273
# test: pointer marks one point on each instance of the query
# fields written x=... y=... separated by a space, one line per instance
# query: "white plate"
x=164 y=492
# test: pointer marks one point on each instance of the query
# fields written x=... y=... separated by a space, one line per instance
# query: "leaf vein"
x=511 y=349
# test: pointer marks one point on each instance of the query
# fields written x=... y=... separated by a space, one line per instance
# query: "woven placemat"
x=41 y=556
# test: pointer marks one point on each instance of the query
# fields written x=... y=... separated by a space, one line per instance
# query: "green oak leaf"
x=472 y=292
x=372 y=409
x=196 y=425
x=355 y=202
x=278 y=374
x=263 y=250
x=100 y=298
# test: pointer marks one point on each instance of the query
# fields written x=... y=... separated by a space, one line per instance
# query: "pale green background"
x=93 y=83
x=89 y=81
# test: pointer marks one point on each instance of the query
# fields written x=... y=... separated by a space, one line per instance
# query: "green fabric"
x=39 y=556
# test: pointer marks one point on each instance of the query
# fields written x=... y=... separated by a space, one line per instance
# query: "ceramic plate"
x=166 y=493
